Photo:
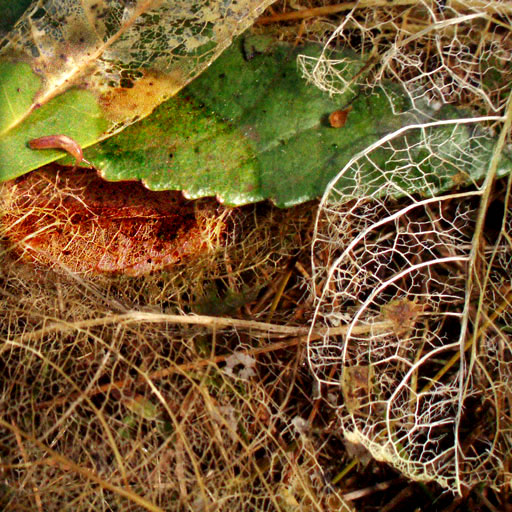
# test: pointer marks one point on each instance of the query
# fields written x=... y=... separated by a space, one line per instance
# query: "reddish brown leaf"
x=79 y=221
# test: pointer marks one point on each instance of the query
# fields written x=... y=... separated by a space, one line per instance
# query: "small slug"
x=60 y=142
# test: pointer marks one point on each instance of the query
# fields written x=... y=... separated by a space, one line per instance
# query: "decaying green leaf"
x=126 y=57
x=251 y=128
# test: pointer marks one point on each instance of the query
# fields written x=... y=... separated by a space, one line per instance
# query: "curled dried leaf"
x=77 y=220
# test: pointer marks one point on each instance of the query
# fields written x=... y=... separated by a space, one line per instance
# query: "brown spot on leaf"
x=77 y=220
x=403 y=314
x=142 y=96
x=460 y=178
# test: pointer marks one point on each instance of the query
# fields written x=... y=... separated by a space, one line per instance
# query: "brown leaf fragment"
x=403 y=313
x=356 y=384
x=75 y=219
x=338 y=118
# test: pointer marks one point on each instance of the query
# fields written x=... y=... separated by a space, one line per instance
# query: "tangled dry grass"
x=121 y=392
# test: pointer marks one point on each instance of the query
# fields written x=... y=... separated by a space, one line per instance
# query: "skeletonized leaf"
x=80 y=222
x=422 y=286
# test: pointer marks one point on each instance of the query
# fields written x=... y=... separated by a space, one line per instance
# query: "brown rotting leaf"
x=81 y=222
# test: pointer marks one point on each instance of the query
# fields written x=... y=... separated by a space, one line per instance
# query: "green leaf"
x=246 y=130
x=75 y=114
x=88 y=69
x=250 y=128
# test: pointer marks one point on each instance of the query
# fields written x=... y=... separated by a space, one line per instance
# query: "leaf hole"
x=126 y=83
x=38 y=14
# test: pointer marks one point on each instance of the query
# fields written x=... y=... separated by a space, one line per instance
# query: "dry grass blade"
x=68 y=464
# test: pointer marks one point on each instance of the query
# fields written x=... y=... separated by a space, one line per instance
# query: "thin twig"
x=331 y=9
x=179 y=368
x=361 y=493
x=160 y=374
x=19 y=441
x=211 y=322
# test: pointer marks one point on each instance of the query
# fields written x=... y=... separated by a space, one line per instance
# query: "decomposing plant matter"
x=76 y=220
x=447 y=52
x=108 y=401
x=427 y=266
x=116 y=44
x=112 y=397
x=387 y=247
